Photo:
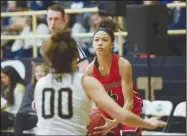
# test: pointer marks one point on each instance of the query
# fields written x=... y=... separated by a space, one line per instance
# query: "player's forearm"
x=128 y=95
x=133 y=120
x=129 y=106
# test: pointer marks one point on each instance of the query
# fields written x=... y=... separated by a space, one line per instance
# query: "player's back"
x=62 y=106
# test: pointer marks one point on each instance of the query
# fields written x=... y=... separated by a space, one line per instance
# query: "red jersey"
x=112 y=85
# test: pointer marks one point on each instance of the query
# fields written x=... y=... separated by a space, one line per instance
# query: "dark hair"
x=60 y=50
x=14 y=79
x=109 y=26
x=57 y=7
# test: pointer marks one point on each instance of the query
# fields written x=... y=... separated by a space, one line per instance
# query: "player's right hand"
x=155 y=122
x=33 y=106
x=103 y=130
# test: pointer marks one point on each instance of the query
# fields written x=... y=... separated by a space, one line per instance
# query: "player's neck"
x=105 y=61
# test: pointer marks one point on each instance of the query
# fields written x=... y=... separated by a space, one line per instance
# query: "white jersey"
x=63 y=107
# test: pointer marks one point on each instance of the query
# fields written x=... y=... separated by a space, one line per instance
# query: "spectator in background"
x=41 y=29
x=39 y=4
x=14 y=26
x=95 y=19
x=24 y=47
x=176 y=20
x=15 y=23
x=18 y=46
x=11 y=96
x=10 y=7
x=78 y=27
x=6 y=22
x=24 y=120
x=55 y=17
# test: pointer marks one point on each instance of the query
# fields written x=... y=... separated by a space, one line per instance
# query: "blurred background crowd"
x=13 y=85
x=79 y=23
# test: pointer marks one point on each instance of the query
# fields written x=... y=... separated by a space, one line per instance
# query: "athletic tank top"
x=62 y=105
x=112 y=84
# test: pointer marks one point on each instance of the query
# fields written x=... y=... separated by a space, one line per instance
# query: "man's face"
x=54 y=19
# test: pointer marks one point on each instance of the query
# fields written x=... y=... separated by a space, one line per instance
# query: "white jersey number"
x=68 y=91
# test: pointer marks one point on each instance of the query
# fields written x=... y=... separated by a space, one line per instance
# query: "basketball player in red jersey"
x=115 y=73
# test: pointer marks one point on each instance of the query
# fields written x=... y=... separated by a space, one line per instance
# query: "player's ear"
x=112 y=46
x=66 y=19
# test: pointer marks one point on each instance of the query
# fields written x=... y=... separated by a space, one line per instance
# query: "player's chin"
x=100 y=53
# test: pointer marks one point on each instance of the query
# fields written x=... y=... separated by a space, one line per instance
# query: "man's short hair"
x=58 y=8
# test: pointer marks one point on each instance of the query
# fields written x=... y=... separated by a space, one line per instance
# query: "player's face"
x=102 y=43
x=54 y=19
x=39 y=72
x=5 y=79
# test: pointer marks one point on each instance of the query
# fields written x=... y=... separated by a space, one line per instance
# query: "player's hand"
x=155 y=122
x=103 y=130
x=33 y=106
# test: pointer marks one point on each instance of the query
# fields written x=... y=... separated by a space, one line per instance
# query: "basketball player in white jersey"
x=63 y=98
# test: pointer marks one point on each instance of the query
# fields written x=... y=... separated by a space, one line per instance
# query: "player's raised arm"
x=96 y=92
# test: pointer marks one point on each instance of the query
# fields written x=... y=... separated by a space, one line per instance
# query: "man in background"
x=55 y=17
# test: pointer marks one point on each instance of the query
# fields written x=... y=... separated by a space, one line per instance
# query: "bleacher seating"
x=178 y=120
x=146 y=104
x=161 y=109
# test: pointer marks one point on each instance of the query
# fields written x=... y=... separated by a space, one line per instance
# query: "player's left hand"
x=103 y=130
x=155 y=122
x=33 y=106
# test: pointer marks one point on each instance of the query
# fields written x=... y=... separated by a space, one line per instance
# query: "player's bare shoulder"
x=89 y=69
x=124 y=66
x=124 y=63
